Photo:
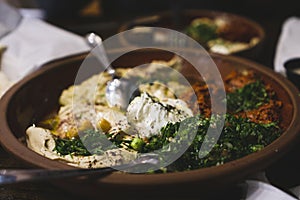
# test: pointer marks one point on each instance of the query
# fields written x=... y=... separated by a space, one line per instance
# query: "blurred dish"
x=219 y=32
x=292 y=67
x=214 y=35
x=33 y=98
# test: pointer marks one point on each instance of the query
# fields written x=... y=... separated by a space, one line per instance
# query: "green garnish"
x=70 y=147
x=90 y=142
x=239 y=138
x=249 y=97
x=202 y=32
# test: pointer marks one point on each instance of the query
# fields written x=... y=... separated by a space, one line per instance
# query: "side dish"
x=213 y=35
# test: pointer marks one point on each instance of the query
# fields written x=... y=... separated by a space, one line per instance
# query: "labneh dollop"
x=148 y=114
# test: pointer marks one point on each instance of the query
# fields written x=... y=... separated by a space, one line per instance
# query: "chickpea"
x=71 y=132
x=104 y=125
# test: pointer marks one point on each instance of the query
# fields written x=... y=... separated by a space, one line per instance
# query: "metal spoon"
x=118 y=90
x=9 y=176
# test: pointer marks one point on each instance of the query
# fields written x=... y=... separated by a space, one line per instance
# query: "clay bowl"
x=36 y=96
x=239 y=28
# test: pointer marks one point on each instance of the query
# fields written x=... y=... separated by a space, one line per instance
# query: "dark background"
x=107 y=16
x=112 y=13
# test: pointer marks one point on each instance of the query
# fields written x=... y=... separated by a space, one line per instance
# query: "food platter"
x=37 y=95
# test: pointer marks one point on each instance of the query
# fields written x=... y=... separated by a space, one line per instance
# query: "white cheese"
x=147 y=115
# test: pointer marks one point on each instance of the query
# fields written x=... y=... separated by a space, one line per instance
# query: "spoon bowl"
x=118 y=90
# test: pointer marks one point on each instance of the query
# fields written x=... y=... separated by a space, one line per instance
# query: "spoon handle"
x=95 y=41
x=9 y=176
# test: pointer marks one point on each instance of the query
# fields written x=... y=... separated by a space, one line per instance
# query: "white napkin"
x=35 y=42
x=4 y=83
x=288 y=44
x=260 y=190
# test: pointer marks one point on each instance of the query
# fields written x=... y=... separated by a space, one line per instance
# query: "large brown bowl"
x=37 y=95
x=239 y=28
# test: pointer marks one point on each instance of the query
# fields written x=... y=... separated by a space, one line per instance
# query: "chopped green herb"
x=239 y=138
x=90 y=142
x=71 y=147
x=202 y=32
x=248 y=97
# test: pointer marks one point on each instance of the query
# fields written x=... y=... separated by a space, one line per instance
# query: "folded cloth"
x=35 y=42
x=4 y=83
x=288 y=44
x=260 y=190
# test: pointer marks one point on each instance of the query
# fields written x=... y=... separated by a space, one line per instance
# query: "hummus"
x=84 y=108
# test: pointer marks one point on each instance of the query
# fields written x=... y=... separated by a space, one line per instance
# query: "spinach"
x=249 y=97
